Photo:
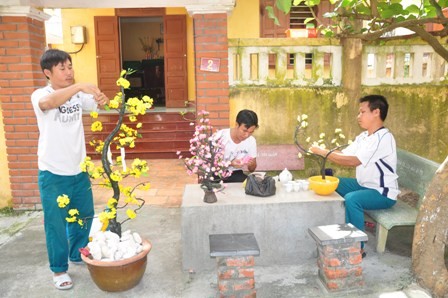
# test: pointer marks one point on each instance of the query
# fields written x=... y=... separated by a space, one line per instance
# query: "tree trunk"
x=431 y=236
x=352 y=67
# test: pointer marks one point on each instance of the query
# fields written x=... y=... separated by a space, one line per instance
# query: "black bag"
x=256 y=186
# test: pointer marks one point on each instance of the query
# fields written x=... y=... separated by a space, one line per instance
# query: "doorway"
x=142 y=50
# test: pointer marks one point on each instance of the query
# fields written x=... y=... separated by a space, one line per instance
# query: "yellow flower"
x=80 y=222
x=116 y=176
x=130 y=213
x=70 y=219
x=112 y=203
x=114 y=103
x=94 y=114
x=139 y=125
x=73 y=212
x=123 y=72
x=97 y=126
x=63 y=201
x=123 y=83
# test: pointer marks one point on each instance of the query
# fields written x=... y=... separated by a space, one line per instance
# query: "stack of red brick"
x=340 y=266
x=236 y=277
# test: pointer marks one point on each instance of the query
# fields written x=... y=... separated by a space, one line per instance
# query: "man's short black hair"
x=248 y=118
x=377 y=102
x=53 y=57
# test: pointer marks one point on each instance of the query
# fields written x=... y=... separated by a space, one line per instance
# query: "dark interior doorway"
x=141 y=42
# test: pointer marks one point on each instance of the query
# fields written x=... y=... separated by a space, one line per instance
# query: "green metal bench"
x=415 y=173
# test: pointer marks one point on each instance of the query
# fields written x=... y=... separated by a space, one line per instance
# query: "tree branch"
x=405 y=24
x=432 y=41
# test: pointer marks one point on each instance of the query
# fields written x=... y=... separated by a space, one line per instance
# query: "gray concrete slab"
x=24 y=268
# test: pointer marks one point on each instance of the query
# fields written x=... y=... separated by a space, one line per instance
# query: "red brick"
x=9 y=43
x=240 y=261
x=355 y=259
x=244 y=284
x=246 y=272
x=333 y=262
x=335 y=273
x=225 y=272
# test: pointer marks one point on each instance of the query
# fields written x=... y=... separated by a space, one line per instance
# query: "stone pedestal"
x=339 y=256
x=234 y=254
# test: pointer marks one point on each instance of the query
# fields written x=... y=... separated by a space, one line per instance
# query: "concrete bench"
x=278 y=157
x=415 y=173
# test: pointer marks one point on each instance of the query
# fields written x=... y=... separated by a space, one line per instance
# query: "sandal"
x=63 y=281
x=363 y=253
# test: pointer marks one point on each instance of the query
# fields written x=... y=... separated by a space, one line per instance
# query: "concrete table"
x=280 y=223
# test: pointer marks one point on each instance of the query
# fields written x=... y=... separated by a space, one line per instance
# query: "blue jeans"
x=358 y=198
x=64 y=239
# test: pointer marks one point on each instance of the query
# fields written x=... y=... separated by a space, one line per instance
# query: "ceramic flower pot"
x=323 y=187
x=120 y=275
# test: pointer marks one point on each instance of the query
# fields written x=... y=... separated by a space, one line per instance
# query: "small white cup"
x=305 y=185
x=288 y=187
x=297 y=186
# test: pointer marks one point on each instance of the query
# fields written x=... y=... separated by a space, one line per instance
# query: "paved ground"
x=24 y=266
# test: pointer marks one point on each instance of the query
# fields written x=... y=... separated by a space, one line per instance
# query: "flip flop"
x=63 y=281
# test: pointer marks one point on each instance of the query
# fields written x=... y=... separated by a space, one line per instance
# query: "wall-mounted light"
x=78 y=34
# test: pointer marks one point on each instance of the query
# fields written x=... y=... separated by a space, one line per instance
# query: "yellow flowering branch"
x=107 y=173
x=321 y=142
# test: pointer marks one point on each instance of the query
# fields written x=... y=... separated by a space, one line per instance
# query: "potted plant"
x=207 y=158
x=321 y=184
x=110 y=268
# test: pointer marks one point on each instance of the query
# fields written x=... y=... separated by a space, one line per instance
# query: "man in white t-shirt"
x=240 y=145
x=61 y=150
x=374 y=155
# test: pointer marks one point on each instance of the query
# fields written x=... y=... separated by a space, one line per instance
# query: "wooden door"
x=267 y=27
x=175 y=50
x=107 y=54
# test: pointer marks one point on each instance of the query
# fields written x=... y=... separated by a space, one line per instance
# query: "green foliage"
x=380 y=14
x=272 y=15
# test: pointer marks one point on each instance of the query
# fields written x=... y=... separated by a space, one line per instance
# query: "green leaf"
x=307 y=20
x=391 y=11
x=443 y=3
x=402 y=18
x=413 y=9
x=329 y=33
x=430 y=11
x=348 y=3
x=272 y=15
x=284 y=5
x=311 y=3
x=362 y=9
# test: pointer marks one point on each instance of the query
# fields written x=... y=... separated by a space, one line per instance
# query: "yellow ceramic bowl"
x=323 y=187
